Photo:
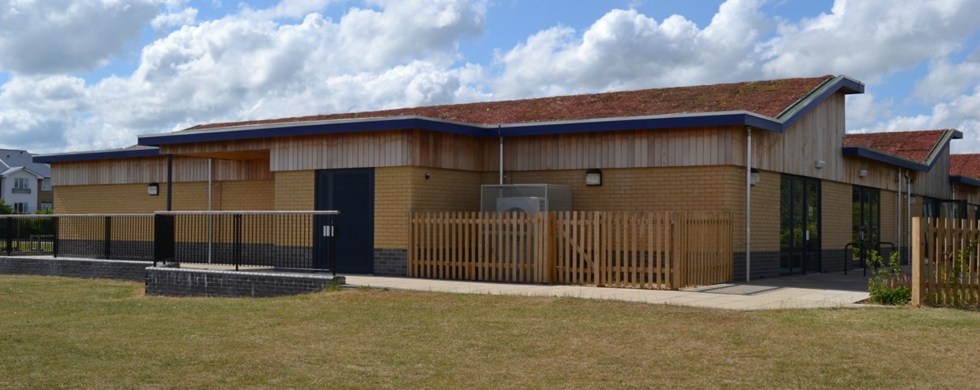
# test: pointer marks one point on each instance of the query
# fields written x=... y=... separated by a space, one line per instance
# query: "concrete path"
x=799 y=292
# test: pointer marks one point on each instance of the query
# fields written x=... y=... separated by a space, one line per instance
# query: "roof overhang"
x=960 y=179
x=874 y=155
x=97 y=155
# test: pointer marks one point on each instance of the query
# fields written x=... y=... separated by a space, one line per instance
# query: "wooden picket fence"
x=945 y=262
x=615 y=249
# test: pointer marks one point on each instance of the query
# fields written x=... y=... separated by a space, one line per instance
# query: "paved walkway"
x=796 y=292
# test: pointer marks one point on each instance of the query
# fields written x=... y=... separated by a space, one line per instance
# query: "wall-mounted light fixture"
x=153 y=189
x=428 y=176
x=593 y=177
x=863 y=173
x=754 y=177
x=820 y=164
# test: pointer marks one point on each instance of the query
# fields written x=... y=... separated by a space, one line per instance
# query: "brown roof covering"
x=910 y=145
x=768 y=98
x=965 y=165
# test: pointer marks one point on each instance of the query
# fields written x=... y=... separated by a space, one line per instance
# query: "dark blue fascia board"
x=855 y=151
x=96 y=155
x=964 y=180
x=665 y=122
x=293 y=129
x=849 y=86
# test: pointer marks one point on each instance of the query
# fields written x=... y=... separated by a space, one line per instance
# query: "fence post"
x=549 y=247
x=9 y=224
x=107 y=238
x=917 y=260
x=54 y=237
x=237 y=248
x=678 y=254
x=164 y=238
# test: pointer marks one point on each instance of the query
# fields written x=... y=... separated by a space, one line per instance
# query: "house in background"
x=772 y=153
x=24 y=184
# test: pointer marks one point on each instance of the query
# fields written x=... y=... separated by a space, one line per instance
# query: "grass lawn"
x=58 y=332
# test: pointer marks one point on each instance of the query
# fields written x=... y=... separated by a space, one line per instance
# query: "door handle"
x=328 y=230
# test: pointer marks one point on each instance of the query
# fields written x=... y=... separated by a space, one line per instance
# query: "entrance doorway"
x=799 y=233
x=351 y=192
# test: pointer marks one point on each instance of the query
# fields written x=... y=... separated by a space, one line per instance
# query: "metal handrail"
x=864 y=264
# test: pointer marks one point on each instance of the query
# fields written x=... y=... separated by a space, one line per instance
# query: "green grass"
x=58 y=332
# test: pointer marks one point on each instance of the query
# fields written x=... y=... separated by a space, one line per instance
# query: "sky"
x=95 y=74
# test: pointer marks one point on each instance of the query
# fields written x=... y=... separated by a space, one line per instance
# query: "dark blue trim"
x=841 y=83
x=300 y=129
x=857 y=151
x=97 y=155
x=964 y=180
x=590 y=126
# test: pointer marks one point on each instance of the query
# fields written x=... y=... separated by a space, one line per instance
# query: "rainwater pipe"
x=501 y=158
x=899 y=234
x=210 y=226
x=908 y=210
x=748 y=203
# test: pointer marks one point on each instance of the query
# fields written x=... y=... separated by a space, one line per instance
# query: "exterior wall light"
x=153 y=189
x=593 y=177
x=820 y=164
x=754 y=177
x=863 y=173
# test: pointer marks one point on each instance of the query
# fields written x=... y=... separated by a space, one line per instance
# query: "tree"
x=5 y=208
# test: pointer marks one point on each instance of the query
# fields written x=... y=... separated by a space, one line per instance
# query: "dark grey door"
x=351 y=192
x=799 y=238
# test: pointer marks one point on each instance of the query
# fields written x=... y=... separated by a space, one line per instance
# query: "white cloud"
x=625 y=49
x=870 y=39
x=175 y=18
x=948 y=81
x=51 y=36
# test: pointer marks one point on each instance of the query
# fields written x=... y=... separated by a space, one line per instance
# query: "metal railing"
x=862 y=252
x=302 y=240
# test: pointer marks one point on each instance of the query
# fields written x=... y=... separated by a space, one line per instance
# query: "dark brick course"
x=194 y=282
x=764 y=265
x=81 y=268
x=390 y=262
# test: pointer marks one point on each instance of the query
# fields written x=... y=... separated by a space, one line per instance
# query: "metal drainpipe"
x=170 y=181
x=898 y=234
x=501 y=172
x=748 y=203
x=908 y=210
x=210 y=226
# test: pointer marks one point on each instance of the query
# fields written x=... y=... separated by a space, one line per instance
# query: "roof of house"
x=768 y=98
x=10 y=158
x=12 y=170
x=916 y=150
x=772 y=105
x=965 y=168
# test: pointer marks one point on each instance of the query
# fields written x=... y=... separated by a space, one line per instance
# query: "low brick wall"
x=195 y=282
x=80 y=268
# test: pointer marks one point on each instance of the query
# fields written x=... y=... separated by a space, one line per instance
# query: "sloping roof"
x=773 y=105
x=768 y=98
x=127 y=152
x=10 y=158
x=919 y=148
x=965 y=168
x=16 y=169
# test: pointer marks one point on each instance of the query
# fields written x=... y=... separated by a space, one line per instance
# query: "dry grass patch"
x=81 y=333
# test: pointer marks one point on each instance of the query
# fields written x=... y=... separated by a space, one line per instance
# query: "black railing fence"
x=280 y=239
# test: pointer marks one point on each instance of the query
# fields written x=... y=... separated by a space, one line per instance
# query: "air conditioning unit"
x=525 y=204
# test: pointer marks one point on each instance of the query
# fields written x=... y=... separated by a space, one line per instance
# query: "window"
x=20 y=182
x=47 y=206
x=46 y=185
x=20 y=208
x=866 y=217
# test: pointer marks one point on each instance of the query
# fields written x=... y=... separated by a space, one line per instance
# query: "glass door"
x=799 y=237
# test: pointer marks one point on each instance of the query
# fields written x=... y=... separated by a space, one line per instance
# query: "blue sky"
x=93 y=74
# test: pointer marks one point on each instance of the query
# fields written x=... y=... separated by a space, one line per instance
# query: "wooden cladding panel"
x=935 y=183
x=816 y=136
x=622 y=149
x=377 y=149
x=154 y=170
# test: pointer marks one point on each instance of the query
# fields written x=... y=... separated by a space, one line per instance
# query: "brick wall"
x=79 y=268
x=836 y=215
x=133 y=198
x=193 y=282
x=294 y=190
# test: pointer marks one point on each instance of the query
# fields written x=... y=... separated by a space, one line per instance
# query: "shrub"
x=887 y=285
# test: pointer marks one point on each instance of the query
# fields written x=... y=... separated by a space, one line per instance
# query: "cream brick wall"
x=765 y=213
x=837 y=214
x=400 y=190
x=133 y=198
x=294 y=190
